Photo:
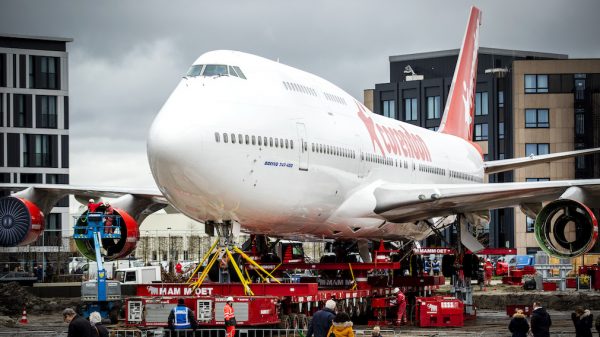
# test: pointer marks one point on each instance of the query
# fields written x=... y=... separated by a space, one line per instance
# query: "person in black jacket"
x=322 y=320
x=540 y=321
x=582 y=320
x=518 y=324
x=78 y=326
x=98 y=329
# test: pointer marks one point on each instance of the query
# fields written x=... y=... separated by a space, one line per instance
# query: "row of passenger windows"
x=334 y=98
x=465 y=176
x=333 y=150
x=300 y=88
x=255 y=140
x=432 y=169
x=215 y=70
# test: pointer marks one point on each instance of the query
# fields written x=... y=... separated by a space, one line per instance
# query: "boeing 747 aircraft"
x=285 y=153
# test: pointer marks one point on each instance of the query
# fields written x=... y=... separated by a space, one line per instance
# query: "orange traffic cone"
x=23 y=319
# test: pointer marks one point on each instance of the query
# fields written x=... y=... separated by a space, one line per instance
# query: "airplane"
x=282 y=152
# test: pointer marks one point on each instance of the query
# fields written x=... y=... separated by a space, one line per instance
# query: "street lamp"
x=169 y=246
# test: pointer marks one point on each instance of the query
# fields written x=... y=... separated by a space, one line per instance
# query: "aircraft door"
x=303 y=147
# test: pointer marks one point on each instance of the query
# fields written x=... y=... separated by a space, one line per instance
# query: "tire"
x=302 y=321
x=285 y=322
x=294 y=321
x=448 y=265
x=468 y=265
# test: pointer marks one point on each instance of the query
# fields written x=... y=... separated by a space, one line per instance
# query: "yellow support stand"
x=252 y=262
x=354 y=286
x=203 y=259
x=247 y=289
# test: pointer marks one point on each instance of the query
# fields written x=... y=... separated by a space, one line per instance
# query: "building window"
x=536 y=118
x=529 y=224
x=536 y=179
x=433 y=128
x=501 y=130
x=389 y=109
x=579 y=87
x=501 y=99
x=433 y=107
x=46 y=112
x=20 y=113
x=43 y=72
x=36 y=151
x=536 y=84
x=481 y=103
x=481 y=131
x=410 y=109
x=537 y=149
x=579 y=122
x=580 y=162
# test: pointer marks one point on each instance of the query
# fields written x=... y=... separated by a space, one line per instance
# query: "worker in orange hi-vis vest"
x=401 y=302
x=229 y=317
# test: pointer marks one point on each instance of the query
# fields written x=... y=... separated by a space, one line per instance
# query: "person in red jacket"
x=488 y=272
x=93 y=206
x=229 y=317
x=401 y=303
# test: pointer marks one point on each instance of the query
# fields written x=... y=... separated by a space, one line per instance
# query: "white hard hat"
x=229 y=299
x=91 y=200
x=330 y=304
x=396 y=290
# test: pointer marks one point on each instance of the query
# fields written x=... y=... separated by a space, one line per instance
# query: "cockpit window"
x=215 y=70
x=210 y=70
x=239 y=72
x=195 y=70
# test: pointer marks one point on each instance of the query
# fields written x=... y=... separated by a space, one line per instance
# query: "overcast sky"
x=127 y=56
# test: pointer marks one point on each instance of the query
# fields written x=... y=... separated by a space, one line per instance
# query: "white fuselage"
x=321 y=153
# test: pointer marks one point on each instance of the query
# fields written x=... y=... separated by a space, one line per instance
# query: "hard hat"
x=91 y=200
x=229 y=299
x=396 y=290
x=330 y=304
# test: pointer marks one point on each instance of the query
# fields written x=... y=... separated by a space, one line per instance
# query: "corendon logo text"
x=395 y=140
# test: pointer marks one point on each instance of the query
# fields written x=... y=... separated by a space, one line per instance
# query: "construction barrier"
x=439 y=311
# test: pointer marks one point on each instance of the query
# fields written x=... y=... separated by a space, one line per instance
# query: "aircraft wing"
x=496 y=166
x=406 y=203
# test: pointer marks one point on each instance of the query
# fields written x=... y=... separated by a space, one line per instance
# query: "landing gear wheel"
x=302 y=321
x=285 y=322
x=294 y=321
x=468 y=265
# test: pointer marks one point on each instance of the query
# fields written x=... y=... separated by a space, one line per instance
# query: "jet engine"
x=21 y=222
x=115 y=248
x=566 y=228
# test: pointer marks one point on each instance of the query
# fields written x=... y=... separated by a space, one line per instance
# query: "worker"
x=435 y=266
x=181 y=317
x=401 y=303
x=229 y=317
x=108 y=218
x=93 y=206
x=427 y=266
x=489 y=271
x=178 y=268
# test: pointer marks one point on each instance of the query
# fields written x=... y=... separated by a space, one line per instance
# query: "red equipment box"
x=439 y=311
x=512 y=280
x=512 y=308
x=549 y=286
x=572 y=283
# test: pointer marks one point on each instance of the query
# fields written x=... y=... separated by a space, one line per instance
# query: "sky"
x=127 y=56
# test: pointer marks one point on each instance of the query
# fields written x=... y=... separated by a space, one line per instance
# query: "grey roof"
x=33 y=37
x=482 y=50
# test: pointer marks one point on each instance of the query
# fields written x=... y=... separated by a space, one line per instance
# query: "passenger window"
x=312 y=146
x=271 y=141
x=240 y=139
x=276 y=142
x=217 y=137
x=291 y=144
x=259 y=141
x=239 y=72
x=232 y=72
x=224 y=138
x=253 y=140
x=215 y=70
x=232 y=138
x=247 y=140
x=194 y=70
x=287 y=143
x=281 y=142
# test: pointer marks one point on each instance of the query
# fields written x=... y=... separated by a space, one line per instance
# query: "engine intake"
x=115 y=248
x=566 y=228
x=21 y=222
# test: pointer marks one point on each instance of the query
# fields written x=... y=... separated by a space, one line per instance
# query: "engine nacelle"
x=115 y=248
x=21 y=222
x=566 y=228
